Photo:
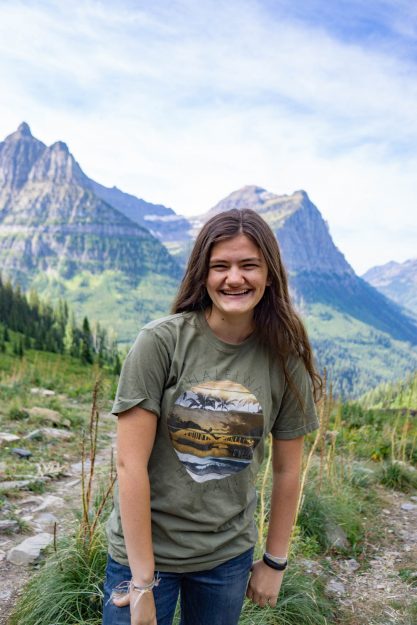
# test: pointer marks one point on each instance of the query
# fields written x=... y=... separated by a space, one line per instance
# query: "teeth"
x=235 y=292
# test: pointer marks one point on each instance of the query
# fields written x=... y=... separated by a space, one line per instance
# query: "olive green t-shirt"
x=216 y=403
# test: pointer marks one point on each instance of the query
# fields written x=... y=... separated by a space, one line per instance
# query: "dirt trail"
x=378 y=594
x=68 y=490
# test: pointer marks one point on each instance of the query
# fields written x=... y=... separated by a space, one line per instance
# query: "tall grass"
x=67 y=589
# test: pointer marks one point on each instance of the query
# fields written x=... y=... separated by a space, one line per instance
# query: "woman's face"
x=237 y=277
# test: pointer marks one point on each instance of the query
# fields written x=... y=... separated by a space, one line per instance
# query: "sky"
x=182 y=102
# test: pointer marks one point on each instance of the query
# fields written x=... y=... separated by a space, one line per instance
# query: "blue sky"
x=182 y=102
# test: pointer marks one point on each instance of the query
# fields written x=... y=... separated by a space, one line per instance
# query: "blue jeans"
x=213 y=597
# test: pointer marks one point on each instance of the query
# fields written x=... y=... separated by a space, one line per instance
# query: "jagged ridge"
x=51 y=219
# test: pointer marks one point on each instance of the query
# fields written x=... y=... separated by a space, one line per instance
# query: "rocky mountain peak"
x=18 y=153
x=23 y=130
x=249 y=196
x=302 y=233
x=57 y=165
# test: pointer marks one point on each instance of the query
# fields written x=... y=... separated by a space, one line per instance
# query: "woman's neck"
x=230 y=330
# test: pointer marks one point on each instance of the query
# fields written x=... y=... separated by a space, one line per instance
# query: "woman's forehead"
x=240 y=245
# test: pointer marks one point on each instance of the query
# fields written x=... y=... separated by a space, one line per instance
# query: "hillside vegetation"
x=364 y=451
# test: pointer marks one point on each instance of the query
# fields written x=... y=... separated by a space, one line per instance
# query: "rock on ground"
x=30 y=549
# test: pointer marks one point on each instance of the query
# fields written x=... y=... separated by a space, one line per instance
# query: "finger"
x=262 y=601
x=272 y=602
x=257 y=599
x=120 y=599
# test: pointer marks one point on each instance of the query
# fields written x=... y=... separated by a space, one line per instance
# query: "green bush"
x=18 y=414
x=301 y=602
x=342 y=505
x=398 y=476
x=67 y=588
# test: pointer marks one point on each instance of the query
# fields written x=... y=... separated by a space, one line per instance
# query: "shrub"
x=67 y=589
x=18 y=414
x=301 y=602
x=396 y=475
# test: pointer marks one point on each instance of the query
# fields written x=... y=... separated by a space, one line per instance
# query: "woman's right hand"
x=142 y=612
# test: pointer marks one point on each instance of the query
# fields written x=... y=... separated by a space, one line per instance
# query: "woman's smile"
x=237 y=278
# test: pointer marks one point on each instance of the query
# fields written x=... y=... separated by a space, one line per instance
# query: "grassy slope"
x=357 y=356
x=111 y=299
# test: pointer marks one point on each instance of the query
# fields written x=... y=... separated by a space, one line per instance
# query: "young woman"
x=199 y=393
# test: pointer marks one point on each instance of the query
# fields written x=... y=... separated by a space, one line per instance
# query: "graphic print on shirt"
x=214 y=427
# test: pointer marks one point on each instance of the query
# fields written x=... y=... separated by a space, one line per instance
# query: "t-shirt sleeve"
x=143 y=375
x=297 y=413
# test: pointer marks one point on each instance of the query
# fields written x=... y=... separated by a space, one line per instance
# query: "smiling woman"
x=199 y=393
x=236 y=282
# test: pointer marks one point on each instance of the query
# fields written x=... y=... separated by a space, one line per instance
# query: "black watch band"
x=274 y=565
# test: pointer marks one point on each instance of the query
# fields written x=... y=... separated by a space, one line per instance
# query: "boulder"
x=50 y=502
x=30 y=549
x=408 y=507
x=335 y=536
x=22 y=453
x=335 y=588
x=46 y=414
x=46 y=522
x=45 y=392
x=15 y=485
x=49 y=434
x=311 y=566
x=6 y=437
x=9 y=525
x=350 y=565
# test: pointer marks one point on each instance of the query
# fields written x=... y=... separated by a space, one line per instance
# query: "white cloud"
x=182 y=103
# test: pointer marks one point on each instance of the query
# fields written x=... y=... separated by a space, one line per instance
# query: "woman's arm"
x=136 y=431
x=265 y=582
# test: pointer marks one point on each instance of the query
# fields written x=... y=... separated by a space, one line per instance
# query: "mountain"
x=161 y=221
x=58 y=236
x=106 y=252
x=398 y=281
x=361 y=336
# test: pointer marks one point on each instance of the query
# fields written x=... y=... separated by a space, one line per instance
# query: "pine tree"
x=86 y=343
x=71 y=342
x=117 y=367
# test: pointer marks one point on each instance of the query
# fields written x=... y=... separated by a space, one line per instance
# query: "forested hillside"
x=29 y=322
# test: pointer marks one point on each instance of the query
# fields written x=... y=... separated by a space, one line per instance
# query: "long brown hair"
x=277 y=324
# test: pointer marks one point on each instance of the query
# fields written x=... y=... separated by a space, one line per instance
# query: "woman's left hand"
x=264 y=585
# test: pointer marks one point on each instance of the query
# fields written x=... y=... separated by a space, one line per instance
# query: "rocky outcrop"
x=398 y=281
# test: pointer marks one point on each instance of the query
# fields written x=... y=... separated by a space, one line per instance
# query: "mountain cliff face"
x=398 y=281
x=303 y=235
x=51 y=220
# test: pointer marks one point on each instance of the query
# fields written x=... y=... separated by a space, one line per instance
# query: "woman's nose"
x=234 y=276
